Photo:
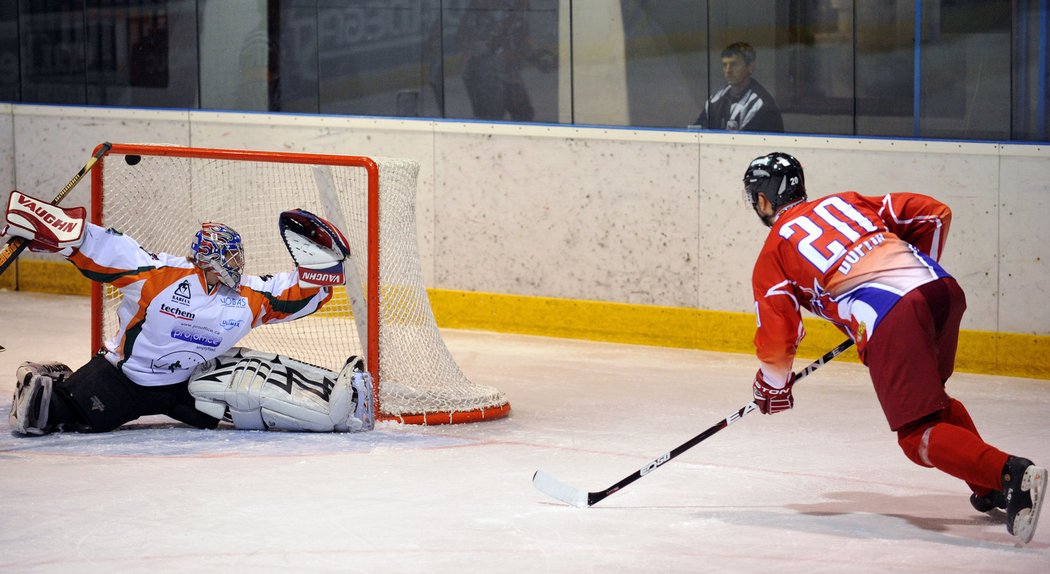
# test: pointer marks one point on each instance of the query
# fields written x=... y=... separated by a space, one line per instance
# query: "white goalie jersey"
x=169 y=321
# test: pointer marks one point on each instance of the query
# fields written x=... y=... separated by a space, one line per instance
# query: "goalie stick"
x=16 y=245
x=551 y=486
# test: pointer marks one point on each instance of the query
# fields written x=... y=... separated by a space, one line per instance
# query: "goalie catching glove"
x=263 y=391
x=317 y=247
x=47 y=227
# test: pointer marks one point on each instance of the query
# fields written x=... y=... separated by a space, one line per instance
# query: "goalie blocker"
x=263 y=391
x=47 y=227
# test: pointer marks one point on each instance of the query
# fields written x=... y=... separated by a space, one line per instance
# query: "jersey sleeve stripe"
x=293 y=302
x=101 y=274
x=778 y=289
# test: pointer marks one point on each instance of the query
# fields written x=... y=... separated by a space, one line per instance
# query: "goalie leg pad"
x=267 y=391
x=32 y=398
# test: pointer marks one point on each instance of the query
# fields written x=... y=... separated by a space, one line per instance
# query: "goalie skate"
x=32 y=397
x=363 y=418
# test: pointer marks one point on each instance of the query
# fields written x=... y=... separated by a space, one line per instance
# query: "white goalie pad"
x=264 y=391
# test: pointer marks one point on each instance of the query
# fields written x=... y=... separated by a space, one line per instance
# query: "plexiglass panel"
x=502 y=60
x=639 y=63
x=51 y=52
x=966 y=69
x=142 y=54
x=375 y=57
x=815 y=79
x=9 y=74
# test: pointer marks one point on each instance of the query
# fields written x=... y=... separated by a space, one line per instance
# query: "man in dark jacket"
x=743 y=105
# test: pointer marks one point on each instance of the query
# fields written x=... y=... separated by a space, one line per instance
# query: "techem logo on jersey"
x=195 y=338
x=236 y=302
x=176 y=312
x=182 y=293
x=231 y=324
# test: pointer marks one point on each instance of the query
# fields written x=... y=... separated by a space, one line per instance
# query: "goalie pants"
x=99 y=398
x=910 y=357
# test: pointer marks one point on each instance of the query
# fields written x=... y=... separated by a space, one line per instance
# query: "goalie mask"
x=777 y=176
x=217 y=248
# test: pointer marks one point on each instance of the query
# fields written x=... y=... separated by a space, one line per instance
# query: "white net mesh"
x=162 y=200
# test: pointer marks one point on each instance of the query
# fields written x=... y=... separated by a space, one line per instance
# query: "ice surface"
x=822 y=488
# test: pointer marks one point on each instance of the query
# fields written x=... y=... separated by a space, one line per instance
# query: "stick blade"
x=554 y=488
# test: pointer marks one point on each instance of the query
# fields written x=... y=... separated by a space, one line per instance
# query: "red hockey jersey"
x=847 y=258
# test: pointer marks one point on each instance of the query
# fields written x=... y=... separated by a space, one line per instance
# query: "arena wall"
x=636 y=236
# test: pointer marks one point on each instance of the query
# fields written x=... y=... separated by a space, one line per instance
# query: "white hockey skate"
x=361 y=381
x=1024 y=487
x=32 y=397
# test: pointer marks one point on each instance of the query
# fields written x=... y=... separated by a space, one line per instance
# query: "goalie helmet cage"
x=160 y=194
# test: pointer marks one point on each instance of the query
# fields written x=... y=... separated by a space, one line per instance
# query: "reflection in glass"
x=378 y=58
x=967 y=69
x=659 y=56
x=142 y=54
x=506 y=69
x=293 y=79
x=234 y=72
x=1030 y=72
x=814 y=69
x=9 y=76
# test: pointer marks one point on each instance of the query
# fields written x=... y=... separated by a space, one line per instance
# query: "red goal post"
x=159 y=195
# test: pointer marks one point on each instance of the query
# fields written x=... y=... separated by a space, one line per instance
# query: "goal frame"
x=372 y=295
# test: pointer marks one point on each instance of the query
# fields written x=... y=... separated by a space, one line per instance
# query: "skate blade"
x=1034 y=482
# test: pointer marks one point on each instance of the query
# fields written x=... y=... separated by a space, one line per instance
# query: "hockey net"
x=160 y=194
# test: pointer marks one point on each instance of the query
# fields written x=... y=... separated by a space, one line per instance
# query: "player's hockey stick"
x=16 y=245
x=555 y=488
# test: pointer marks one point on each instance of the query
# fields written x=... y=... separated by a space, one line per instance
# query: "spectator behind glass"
x=743 y=105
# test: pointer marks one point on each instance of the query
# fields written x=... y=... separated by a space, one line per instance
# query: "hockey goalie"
x=174 y=352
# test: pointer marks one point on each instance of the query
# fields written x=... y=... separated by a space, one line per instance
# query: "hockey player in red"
x=869 y=264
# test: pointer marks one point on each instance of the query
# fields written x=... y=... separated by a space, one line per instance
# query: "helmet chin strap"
x=771 y=218
x=760 y=202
